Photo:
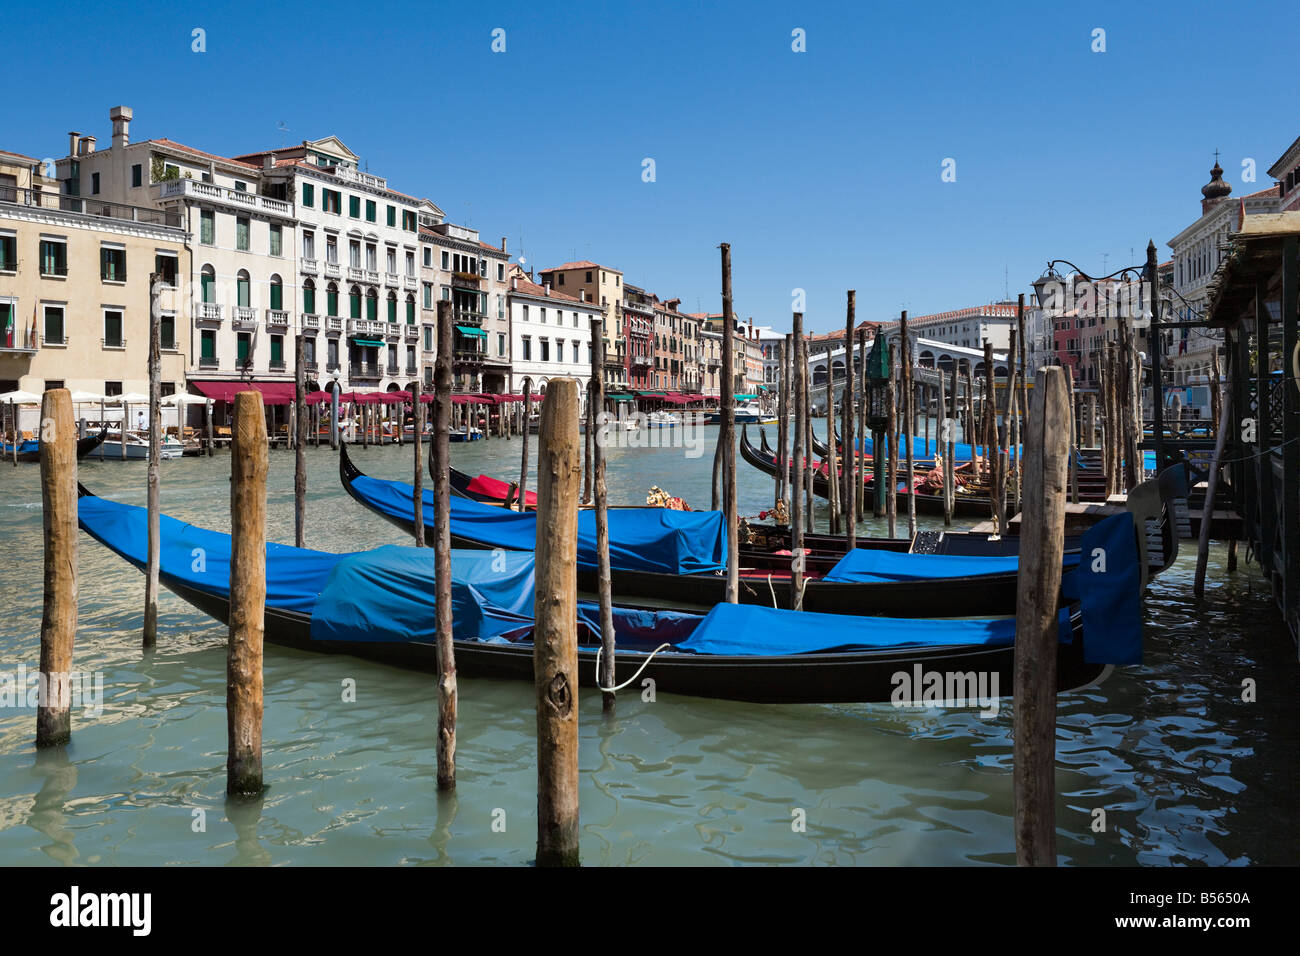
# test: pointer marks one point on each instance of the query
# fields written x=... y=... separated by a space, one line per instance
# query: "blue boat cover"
x=921 y=448
x=866 y=565
x=1107 y=584
x=200 y=558
x=640 y=539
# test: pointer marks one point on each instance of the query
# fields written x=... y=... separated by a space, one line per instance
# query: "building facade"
x=603 y=285
x=550 y=335
x=74 y=289
x=1287 y=173
x=474 y=276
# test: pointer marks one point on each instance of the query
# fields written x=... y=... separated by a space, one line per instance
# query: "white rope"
x=772 y=589
x=611 y=690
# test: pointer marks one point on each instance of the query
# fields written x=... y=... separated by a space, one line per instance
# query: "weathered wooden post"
x=852 y=481
x=832 y=472
x=797 y=496
x=1043 y=535
x=992 y=450
x=862 y=429
x=1005 y=436
x=950 y=450
x=809 y=473
x=891 y=412
x=606 y=675
x=1074 y=438
x=555 y=634
x=446 y=653
x=909 y=422
x=782 y=411
x=248 y=467
x=58 y=451
x=1211 y=488
x=523 y=467
x=300 y=441
x=728 y=432
x=150 y=635
x=417 y=424
x=588 y=466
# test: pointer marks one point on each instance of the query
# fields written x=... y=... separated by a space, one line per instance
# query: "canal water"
x=1185 y=770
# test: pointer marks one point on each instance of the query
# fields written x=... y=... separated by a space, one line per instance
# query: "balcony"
x=411 y=371
x=643 y=360
x=276 y=365
x=309 y=367
x=640 y=307
x=410 y=283
x=277 y=318
x=466 y=317
x=348 y=174
x=332 y=367
x=392 y=330
x=468 y=356
x=333 y=271
x=366 y=327
x=207 y=311
x=311 y=321
x=465 y=280
x=412 y=333
x=392 y=280
x=196 y=190
x=372 y=276
x=208 y=362
x=309 y=266
x=363 y=370
x=243 y=317
x=356 y=274
x=393 y=368
x=333 y=323
x=117 y=343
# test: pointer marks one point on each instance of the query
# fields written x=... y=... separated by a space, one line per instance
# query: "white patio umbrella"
x=86 y=398
x=20 y=397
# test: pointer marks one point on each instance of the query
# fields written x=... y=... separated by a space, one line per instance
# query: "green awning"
x=619 y=398
x=744 y=397
x=371 y=342
x=470 y=330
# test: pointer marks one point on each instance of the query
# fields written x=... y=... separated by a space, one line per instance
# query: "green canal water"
x=1185 y=770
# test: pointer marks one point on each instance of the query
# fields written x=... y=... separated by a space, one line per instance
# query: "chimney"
x=268 y=161
x=87 y=145
x=582 y=295
x=74 y=139
x=121 y=117
x=514 y=283
x=503 y=243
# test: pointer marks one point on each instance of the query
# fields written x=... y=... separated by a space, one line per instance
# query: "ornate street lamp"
x=875 y=384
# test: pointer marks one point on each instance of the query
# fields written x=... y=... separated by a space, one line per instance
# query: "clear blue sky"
x=821 y=168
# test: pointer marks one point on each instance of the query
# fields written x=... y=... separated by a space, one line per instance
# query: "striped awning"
x=470 y=330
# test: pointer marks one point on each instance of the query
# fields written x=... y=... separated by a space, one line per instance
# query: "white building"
x=770 y=345
x=357 y=264
x=240 y=295
x=550 y=335
x=969 y=327
x=459 y=267
x=1197 y=252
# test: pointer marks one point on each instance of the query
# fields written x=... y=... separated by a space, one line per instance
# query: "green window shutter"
x=370 y=210
x=331 y=303
x=392 y=310
x=392 y=215
x=354 y=207
x=309 y=300
x=276 y=236
x=209 y=284
x=356 y=305
x=207 y=230
x=308 y=194
x=372 y=308
x=410 y=311
x=241 y=349
x=241 y=288
x=277 y=296
x=277 y=348
x=208 y=344
x=167 y=331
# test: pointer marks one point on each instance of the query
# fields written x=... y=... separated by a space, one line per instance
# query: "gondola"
x=482 y=488
x=376 y=605
x=676 y=558
x=964 y=506
x=30 y=450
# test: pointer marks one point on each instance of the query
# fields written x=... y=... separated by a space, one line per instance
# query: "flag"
x=31 y=337
x=10 y=319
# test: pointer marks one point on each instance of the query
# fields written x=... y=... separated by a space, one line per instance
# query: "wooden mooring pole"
x=1042 y=534
x=58 y=449
x=248 y=468
x=300 y=441
x=852 y=478
x=891 y=476
x=798 y=453
x=728 y=432
x=417 y=426
x=446 y=654
x=909 y=423
x=555 y=633
x=604 y=589
x=523 y=467
x=150 y=632
x=1211 y=488
x=782 y=422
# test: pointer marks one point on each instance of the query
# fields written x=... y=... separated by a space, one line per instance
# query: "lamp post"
x=875 y=388
x=334 y=410
x=1149 y=313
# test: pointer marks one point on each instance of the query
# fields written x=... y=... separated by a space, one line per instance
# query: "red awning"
x=273 y=393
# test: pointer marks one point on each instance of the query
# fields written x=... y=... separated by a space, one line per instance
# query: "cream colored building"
x=239 y=294
x=74 y=289
x=473 y=276
x=603 y=285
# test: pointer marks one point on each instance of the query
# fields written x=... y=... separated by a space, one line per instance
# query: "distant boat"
x=137 y=447
x=747 y=413
x=30 y=449
x=462 y=434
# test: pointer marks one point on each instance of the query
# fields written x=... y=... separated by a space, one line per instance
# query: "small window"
x=308 y=195
x=392 y=216
x=354 y=207
x=167 y=332
x=137 y=175
x=501 y=344
x=110 y=388
x=446 y=261
x=166 y=268
x=560 y=277
x=113 y=337
x=428 y=258
x=8 y=253
x=94 y=184
x=527 y=343
x=277 y=236
x=370 y=210
x=54 y=257
x=207 y=227
x=243 y=348
x=241 y=187
x=588 y=276
x=54 y=332
x=241 y=233
x=112 y=264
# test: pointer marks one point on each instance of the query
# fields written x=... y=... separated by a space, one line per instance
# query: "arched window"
x=372 y=305
x=243 y=288
x=208 y=284
x=354 y=300
x=277 y=293
x=332 y=299
x=309 y=297
x=392 y=307
x=410 y=309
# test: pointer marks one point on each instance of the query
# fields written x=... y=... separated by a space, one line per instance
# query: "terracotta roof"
x=29 y=160
x=532 y=288
x=1271 y=190
x=583 y=264
x=172 y=144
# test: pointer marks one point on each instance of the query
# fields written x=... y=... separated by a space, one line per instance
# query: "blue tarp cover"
x=1107 y=584
x=920 y=448
x=866 y=565
x=201 y=558
x=640 y=539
